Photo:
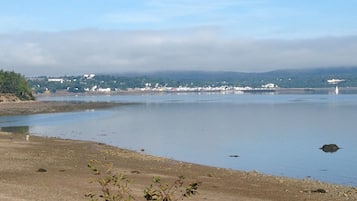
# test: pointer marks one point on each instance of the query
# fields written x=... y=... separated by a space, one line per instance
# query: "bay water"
x=272 y=134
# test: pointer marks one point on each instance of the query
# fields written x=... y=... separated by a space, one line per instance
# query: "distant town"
x=196 y=82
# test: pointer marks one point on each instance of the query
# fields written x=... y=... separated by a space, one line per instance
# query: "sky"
x=71 y=37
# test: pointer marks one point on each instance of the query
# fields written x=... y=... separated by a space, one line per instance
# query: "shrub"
x=115 y=187
x=170 y=192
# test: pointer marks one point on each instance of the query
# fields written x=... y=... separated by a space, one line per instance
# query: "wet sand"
x=65 y=174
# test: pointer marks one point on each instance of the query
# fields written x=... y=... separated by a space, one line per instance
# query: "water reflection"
x=330 y=148
x=16 y=129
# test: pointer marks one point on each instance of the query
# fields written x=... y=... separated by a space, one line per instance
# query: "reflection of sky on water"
x=271 y=134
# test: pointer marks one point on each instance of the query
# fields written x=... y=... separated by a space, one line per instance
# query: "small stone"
x=320 y=190
x=135 y=172
x=41 y=170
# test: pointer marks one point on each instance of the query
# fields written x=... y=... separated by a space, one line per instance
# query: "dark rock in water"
x=41 y=170
x=330 y=148
x=234 y=156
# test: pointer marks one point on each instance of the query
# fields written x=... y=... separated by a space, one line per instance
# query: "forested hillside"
x=16 y=84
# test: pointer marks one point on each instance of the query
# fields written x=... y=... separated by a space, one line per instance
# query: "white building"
x=55 y=80
x=269 y=86
x=335 y=81
x=88 y=77
x=103 y=89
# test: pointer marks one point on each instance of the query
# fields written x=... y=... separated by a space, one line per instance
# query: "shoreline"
x=278 y=90
x=68 y=178
x=38 y=107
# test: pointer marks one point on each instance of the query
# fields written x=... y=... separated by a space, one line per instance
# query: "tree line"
x=15 y=83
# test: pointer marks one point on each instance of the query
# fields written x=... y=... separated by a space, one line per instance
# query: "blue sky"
x=150 y=35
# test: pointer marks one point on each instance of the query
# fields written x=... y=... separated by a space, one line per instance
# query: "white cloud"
x=81 y=51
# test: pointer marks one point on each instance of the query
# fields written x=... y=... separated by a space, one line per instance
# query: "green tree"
x=14 y=83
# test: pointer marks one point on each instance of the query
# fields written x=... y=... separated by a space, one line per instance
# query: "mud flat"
x=56 y=169
x=35 y=107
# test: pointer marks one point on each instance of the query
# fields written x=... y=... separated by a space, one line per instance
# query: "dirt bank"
x=8 y=98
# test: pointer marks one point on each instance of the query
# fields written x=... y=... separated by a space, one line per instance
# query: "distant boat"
x=336 y=90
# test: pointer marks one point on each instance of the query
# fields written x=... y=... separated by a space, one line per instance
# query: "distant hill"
x=309 y=78
x=210 y=75
x=297 y=78
x=335 y=71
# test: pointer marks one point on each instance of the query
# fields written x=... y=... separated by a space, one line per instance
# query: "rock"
x=330 y=148
x=41 y=170
x=319 y=190
x=135 y=172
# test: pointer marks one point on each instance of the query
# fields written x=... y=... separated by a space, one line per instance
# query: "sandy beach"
x=56 y=169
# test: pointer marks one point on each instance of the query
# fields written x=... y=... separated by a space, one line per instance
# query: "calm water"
x=273 y=134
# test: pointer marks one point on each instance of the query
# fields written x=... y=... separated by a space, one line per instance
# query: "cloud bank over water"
x=204 y=48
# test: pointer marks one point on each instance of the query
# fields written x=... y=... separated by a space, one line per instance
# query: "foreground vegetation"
x=116 y=186
x=14 y=83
